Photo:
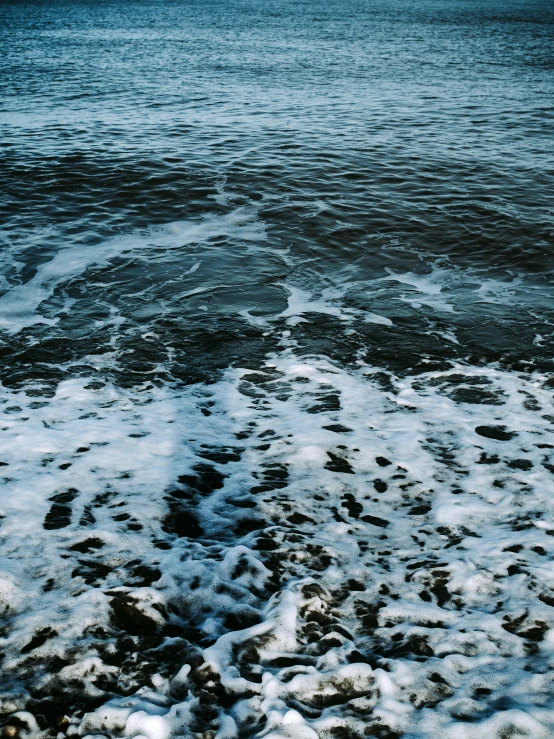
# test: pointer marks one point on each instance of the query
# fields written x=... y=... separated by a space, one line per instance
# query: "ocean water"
x=276 y=335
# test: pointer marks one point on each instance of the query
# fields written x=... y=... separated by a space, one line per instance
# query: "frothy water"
x=276 y=326
x=348 y=549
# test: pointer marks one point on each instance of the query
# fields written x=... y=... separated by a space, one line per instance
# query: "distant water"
x=277 y=331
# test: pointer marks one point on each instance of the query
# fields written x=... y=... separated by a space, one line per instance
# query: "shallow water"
x=276 y=326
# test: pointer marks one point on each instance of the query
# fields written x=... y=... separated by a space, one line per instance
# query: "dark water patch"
x=337 y=428
x=39 y=639
x=207 y=479
x=337 y=463
x=93 y=572
x=127 y=616
x=221 y=455
x=182 y=522
x=498 y=433
x=375 y=521
x=59 y=515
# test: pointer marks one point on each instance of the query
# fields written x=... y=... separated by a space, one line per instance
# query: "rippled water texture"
x=276 y=329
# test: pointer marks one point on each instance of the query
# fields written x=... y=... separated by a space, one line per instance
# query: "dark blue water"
x=364 y=136
x=192 y=190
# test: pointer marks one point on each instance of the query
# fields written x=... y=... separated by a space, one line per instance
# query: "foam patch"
x=294 y=551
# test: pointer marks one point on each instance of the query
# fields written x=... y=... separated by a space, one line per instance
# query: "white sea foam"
x=301 y=302
x=18 y=306
x=353 y=551
x=404 y=538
